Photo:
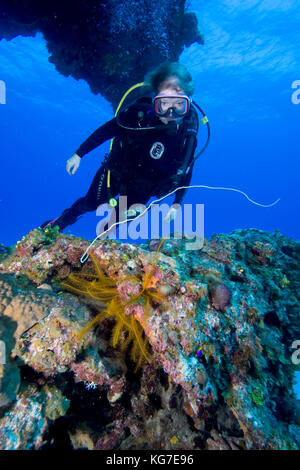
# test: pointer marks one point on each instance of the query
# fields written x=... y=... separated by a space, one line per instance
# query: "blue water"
x=243 y=76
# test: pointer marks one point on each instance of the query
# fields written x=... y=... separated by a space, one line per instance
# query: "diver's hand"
x=73 y=164
x=170 y=215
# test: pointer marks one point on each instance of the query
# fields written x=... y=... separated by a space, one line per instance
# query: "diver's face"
x=174 y=102
x=170 y=87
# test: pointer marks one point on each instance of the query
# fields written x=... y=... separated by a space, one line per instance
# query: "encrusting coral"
x=105 y=289
x=221 y=323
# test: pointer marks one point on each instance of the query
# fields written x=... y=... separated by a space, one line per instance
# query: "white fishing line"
x=84 y=257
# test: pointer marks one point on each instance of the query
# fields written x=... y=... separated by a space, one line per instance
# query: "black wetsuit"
x=143 y=163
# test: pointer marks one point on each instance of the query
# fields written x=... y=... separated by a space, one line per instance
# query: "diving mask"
x=171 y=106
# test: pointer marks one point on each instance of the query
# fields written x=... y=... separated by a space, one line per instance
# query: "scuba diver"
x=152 y=152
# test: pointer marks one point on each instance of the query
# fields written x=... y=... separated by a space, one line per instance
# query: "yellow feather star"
x=102 y=288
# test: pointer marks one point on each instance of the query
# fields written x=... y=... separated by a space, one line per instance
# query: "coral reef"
x=23 y=426
x=219 y=323
x=110 y=44
x=125 y=301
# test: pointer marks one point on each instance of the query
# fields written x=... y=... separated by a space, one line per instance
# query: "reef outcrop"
x=219 y=322
x=109 y=43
